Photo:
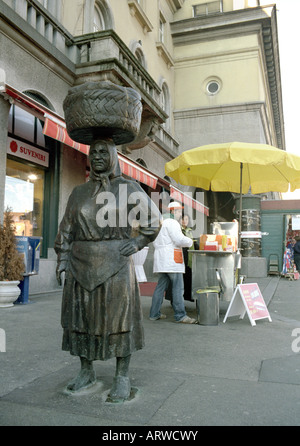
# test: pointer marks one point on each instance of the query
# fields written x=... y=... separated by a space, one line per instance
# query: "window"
x=25 y=125
x=99 y=17
x=32 y=176
x=213 y=87
x=24 y=194
x=253 y=3
x=165 y=104
x=25 y=172
x=208 y=8
x=99 y=24
x=140 y=57
x=137 y=49
x=141 y=162
x=161 y=31
x=162 y=28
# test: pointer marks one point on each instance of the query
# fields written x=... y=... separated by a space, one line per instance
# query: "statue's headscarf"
x=103 y=179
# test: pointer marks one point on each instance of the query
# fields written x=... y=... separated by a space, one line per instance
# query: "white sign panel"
x=295 y=222
x=251 y=234
x=27 y=152
x=247 y=298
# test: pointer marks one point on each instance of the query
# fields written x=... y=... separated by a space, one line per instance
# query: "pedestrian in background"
x=297 y=253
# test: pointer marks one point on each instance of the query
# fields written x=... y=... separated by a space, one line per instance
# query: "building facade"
x=207 y=72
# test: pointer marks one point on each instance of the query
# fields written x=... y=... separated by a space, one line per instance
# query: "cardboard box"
x=222 y=242
x=210 y=248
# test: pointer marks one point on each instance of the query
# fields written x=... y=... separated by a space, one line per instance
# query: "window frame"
x=206 y=6
x=51 y=181
x=213 y=81
x=99 y=15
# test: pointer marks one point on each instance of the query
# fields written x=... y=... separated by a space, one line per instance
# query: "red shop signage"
x=27 y=152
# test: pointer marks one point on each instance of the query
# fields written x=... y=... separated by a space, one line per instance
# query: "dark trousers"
x=297 y=260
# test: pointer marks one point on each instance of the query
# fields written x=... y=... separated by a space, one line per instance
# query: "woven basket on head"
x=97 y=110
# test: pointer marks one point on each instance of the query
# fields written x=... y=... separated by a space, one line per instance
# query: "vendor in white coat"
x=169 y=264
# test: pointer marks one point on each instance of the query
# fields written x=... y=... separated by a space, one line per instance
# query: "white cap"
x=175 y=205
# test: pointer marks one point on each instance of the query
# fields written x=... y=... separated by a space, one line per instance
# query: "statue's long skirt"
x=106 y=322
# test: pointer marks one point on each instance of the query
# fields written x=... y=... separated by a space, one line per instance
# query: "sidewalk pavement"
x=187 y=375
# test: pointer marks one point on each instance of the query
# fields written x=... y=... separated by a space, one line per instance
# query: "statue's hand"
x=129 y=247
x=61 y=267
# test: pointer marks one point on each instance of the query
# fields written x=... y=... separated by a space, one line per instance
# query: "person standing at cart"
x=169 y=264
x=187 y=257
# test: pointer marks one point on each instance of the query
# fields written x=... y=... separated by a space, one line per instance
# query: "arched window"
x=137 y=49
x=166 y=103
x=140 y=57
x=98 y=24
x=102 y=17
x=31 y=174
x=141 y=162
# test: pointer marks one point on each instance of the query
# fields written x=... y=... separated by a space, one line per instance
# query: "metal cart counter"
x=204 y=266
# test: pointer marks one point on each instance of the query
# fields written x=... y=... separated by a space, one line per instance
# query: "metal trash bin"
x=207 y=305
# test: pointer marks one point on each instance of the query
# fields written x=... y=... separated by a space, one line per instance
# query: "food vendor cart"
x=217 y=254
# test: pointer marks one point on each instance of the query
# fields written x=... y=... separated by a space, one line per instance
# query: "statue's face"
x=99 y=157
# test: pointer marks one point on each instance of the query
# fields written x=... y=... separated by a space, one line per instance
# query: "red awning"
x=56 y=129
x=131 y=169
x=178 y=195
x=24 y=101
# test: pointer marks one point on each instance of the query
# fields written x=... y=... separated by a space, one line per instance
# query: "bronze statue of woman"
x=101 y=309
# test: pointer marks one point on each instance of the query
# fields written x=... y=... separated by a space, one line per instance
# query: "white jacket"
x=168 y=256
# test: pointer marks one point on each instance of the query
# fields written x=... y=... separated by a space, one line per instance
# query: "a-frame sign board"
x=247 y=298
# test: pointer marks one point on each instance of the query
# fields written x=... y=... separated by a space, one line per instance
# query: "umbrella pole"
x=238 y=254
x=241 y=198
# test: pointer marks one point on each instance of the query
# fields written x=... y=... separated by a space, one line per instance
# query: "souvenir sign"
x=247 y=298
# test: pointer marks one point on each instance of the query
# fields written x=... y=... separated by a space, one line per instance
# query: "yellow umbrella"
x=217 y=167
x=235 y=167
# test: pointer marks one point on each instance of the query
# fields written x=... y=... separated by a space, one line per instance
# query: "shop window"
x=24 y=194
x=32 y=173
